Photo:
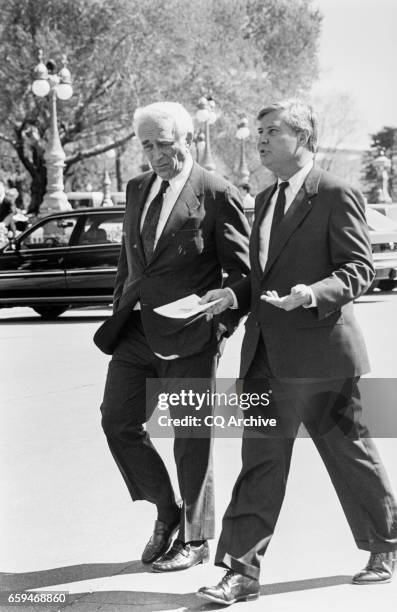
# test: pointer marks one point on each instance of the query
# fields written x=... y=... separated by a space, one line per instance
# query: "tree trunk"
x=119 y=178
x=37 y=189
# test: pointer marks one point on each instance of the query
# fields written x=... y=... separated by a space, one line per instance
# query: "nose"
x=156 y=153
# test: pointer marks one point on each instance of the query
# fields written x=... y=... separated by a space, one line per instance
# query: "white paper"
x=184 y=308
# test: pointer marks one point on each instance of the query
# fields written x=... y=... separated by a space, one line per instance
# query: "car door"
x=35 y=265
x=91 y=263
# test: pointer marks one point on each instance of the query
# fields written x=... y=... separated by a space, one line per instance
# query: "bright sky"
x=358 y=55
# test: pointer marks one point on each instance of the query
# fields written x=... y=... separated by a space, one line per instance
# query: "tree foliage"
x=125 y=53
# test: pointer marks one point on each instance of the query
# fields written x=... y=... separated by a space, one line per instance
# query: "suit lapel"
x=138 y=204
x=300 y=207
x=263 y=205
x=186 y=204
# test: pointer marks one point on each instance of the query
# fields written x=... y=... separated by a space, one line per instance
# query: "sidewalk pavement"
x=69 y=524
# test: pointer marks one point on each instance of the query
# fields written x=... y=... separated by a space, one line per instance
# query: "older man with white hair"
x=184 y=228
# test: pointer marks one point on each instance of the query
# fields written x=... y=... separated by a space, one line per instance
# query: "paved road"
x=68 y=524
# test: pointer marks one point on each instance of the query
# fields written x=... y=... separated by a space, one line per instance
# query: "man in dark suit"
x=183 y=228
x=310 y=258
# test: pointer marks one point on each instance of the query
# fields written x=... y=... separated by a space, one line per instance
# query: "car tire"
x=387 y=284
x=50 y=312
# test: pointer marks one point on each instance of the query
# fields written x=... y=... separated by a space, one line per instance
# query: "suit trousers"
x=128 y=403
x=330 y=411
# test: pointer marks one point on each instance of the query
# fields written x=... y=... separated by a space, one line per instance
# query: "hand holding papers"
x=184 y=308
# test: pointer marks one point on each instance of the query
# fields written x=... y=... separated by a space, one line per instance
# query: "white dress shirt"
x=176 y=184
x=295 y=183
x=170 y=196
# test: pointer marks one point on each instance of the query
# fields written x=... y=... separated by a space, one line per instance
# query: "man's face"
x=164 y=148
x=278 y=145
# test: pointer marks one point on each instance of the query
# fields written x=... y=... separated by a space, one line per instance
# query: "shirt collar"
x=296 y=180
x=178 y=181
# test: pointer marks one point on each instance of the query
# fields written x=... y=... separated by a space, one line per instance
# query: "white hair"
x=169 y=110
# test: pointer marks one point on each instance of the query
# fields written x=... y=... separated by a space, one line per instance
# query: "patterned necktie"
x=150 y=223
x=279 y=208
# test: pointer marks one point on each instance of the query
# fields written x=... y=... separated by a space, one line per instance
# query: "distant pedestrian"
x=248 y=199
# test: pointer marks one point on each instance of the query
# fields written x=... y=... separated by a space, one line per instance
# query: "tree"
x=125 y=53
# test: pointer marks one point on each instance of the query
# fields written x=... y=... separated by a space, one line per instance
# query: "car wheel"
x=50 y=312
x=387 y=284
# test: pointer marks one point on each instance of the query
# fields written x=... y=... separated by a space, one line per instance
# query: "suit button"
x=257 y=324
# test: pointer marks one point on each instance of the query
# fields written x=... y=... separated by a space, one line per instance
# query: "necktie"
x=150 y=223
x=279 y=207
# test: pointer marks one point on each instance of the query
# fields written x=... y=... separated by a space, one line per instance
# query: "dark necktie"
x=150 y=223
x=279 y=208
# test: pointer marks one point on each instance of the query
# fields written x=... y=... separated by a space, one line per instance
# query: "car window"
x=51 y=233
x=101 y=229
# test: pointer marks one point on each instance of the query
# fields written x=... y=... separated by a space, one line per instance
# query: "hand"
x=299 y=296
x=215 y=294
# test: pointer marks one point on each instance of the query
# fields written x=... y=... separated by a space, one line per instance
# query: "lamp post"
x=242 y=134
x=47 y=83
x=382 y=165
x=199 y=141
x=206 y=115
x=107 y=181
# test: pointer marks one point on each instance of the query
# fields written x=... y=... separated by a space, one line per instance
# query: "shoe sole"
x=369 y=582
x=179 y=569
x=251 y=597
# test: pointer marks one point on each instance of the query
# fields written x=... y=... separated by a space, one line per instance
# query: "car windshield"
x=378 y=222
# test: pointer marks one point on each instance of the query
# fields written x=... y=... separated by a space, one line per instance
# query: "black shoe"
x=160 y=540
x=378 y=570
x=233 y=587
x=182 y=556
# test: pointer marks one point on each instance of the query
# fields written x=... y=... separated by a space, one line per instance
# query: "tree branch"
x=72 y=159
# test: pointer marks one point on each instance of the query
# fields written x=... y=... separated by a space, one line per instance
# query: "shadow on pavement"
x=70 y=573
x=151 y=601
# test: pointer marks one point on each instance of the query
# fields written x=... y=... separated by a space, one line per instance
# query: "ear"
x=303 y=137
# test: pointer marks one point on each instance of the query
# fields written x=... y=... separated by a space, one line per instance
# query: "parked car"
x=65 y=259
x=70 y=258
x=383 y=232
x=83 y=199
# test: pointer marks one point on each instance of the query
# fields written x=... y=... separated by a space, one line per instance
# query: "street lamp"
x=199 y=141
x=382 y=165
x=207 y=116
x=47 y=83
x=107 y=181
x=242 y=134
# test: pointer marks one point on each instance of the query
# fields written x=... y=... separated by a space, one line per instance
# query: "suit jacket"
x=205 y=234
x=323 y=242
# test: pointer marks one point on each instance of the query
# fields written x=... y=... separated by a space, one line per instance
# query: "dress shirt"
x=176 y=184
x=295 y=183
x=171 y=195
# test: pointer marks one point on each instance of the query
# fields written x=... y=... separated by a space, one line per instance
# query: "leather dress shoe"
x=160 y=540
x=233 y=587
x=182 y=556
x=378 y=570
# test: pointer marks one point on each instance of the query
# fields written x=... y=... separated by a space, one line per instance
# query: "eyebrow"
x=269 y=127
